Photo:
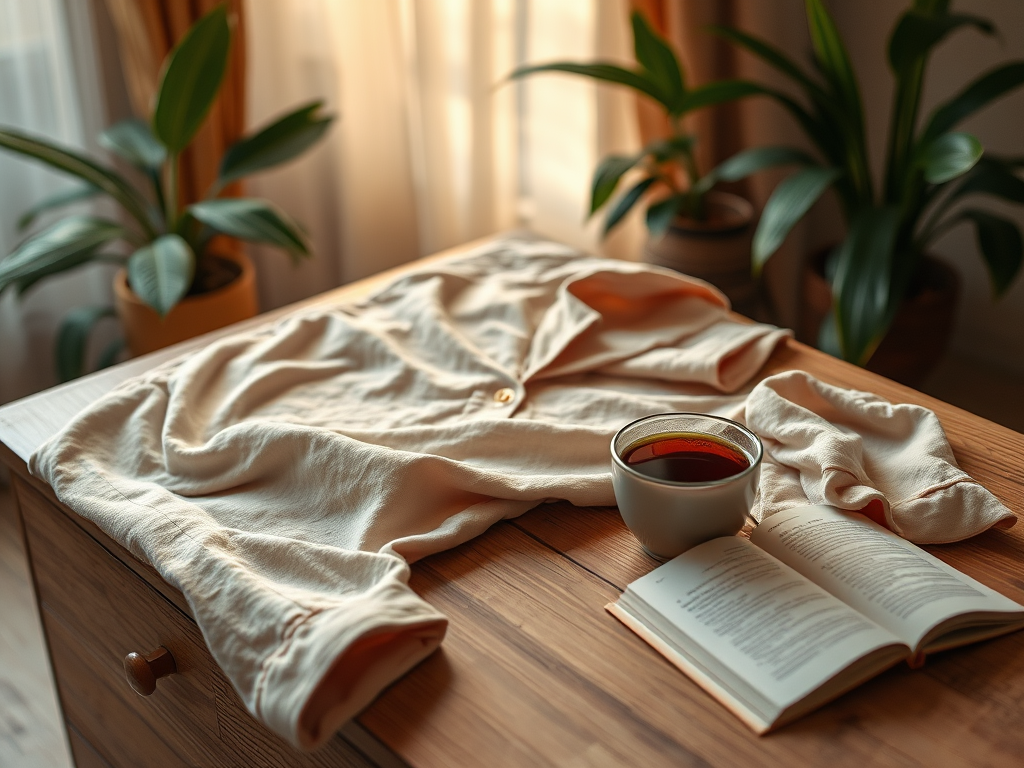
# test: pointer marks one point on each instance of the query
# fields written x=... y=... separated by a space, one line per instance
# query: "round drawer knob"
x=143 y=671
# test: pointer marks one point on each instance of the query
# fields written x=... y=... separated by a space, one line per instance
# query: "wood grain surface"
x=563 y=683
x=534 y=672
x=83 y=753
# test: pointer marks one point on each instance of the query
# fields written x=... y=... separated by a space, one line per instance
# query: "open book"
x=818 y=601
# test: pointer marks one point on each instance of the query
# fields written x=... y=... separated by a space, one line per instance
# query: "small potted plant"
x=174 y=284
x=880 y=278
x=693 y=227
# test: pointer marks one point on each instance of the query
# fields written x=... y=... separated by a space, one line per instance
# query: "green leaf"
x=948 y=156
x=1000 y=243
x=986 y=88
x=834 y=61
x=609 y=73
x=656 y=56
x=55 y=201
x=824 y=127
x=916 y=33
x=841 y=108
x=661 y=214
x=769 y=54
x=863 y=301
x=606 y=178
x=991 y=177
x=257 y=221
x=819 y=128
x=277 y=143
x=63 y=245
x=192 y=76
x=787 y=205
x=750 y=161
x=161 y=272
x=73 y=338
x=625 y=203
x=134 y=141
x=720 y=92
x=77 y=165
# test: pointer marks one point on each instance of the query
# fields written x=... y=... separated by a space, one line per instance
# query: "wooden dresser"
x=533 y=672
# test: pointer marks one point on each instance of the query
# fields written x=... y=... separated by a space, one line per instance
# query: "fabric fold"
x=857 y=451
x=337 y=659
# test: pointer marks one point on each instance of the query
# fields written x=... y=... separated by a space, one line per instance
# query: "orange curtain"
x=146 y=32
x=704 y=58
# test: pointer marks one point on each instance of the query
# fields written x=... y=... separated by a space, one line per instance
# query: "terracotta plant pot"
x=920 y=332
x=716 y=250
x=145 y=331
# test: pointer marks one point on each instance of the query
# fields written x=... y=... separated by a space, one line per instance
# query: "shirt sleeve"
x=308 y=633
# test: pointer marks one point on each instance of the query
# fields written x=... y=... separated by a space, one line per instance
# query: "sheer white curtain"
x=48 y=86
x=432 y=146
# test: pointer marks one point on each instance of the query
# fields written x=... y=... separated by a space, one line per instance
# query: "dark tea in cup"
x=685 y=457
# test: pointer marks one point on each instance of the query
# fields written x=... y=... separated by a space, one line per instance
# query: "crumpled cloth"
x=284 y=478
x=854 y=450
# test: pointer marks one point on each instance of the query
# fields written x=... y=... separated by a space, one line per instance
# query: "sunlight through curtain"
x=433 y=147
x=48 y=86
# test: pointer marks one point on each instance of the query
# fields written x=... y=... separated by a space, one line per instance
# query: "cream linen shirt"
x=284 y=478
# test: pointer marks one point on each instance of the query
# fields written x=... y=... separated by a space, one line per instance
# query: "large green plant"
x=169 y=244
x=889 y=225
x=668 y=167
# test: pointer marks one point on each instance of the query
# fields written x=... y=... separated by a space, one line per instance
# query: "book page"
x=895 y=583
x=740 y=609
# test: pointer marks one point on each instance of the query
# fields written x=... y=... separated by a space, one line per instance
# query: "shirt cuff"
x=338 y=659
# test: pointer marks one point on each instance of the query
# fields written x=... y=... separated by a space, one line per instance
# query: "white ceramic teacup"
x=669 y=517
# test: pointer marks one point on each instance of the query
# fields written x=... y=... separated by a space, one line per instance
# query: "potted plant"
x=693 y=227
x=882 y=265
x=174 y=283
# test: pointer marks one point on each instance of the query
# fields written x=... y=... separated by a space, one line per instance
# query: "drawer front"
x=95 y=611
x=83 y=753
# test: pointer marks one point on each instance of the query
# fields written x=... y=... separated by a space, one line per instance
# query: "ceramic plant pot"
x=716 y=250
x=920 y=332
x=145 y=331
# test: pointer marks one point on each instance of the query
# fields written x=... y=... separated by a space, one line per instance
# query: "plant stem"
x=690 y=166
x=693 y=204
x=933 y=227
x=158 y=189
x=860 y=173
x=171 y=199
x=906 y=102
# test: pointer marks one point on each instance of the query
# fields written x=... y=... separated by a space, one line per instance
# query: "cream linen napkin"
x=856 y=451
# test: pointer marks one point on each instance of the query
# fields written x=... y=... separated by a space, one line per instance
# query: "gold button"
x=504 y=395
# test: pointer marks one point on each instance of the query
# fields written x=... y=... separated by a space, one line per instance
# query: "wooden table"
x=533 y=671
